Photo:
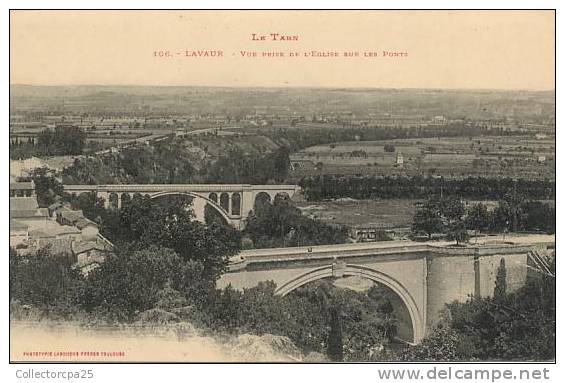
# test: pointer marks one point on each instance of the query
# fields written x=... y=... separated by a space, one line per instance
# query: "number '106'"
x=162 y=54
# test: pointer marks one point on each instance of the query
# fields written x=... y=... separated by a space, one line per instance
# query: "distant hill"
x=363 y=103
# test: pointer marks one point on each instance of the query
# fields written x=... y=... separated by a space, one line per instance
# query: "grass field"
x=363 y=213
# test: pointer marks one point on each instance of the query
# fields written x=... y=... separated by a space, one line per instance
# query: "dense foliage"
x=45 y=281
x=136 y=284
x=418 y=187
x=317 y=317
x=61 y=141
x=281 y=224
x=144 y=222
x=237 y=166
x=439 y=215
x=305 y=135
x=169 y=162
x=47 y=188
x=517 y=325
x=163 y=162
x=512 y=214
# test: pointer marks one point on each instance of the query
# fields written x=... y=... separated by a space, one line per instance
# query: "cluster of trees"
x=301 y=137
x=143 y=222
x=449 y=216
x=45 y=281
x=163 y=162
x=281 y=224
x=237 y=166
x=342 y=324
x=441 y=215
x=317 y=188
x=47 y=188
x=61 y=141
x=517 y=325
x=513 y=214
x=169 y=162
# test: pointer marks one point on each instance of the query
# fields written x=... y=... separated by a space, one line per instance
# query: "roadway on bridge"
x=524 y=239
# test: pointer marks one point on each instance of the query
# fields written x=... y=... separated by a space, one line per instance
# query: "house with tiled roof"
x=22 y=189
x=23 y=203
x=65 y=216
x=26 y=210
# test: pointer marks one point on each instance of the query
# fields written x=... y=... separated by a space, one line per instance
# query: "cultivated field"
x=520 y=156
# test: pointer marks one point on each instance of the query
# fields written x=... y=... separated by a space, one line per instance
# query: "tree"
x=282 y=224
x=538 y=216
x=452 y=211
x=442 y=345
x=44 y=280
x=133 y=281
x=47 y=188
x=91 y=205
x=514 y=201
x=145 y=222
x=389 y=148
x=63 y=140
x=428 y=218
x=500 y=283
x=457 y=231
x=478 y=218
x=335 y=337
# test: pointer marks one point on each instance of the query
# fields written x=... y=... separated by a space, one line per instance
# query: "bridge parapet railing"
x=343 y=252
x=302 y=254
x=123 y=188
x=490 y=249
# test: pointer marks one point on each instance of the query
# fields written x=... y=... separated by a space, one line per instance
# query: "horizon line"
x=318 y=87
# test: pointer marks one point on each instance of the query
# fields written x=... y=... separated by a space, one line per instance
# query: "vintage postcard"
x=282 y=186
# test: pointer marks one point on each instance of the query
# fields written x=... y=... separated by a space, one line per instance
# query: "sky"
x=511 y=50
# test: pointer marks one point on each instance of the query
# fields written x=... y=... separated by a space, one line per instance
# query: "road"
x=525 y=239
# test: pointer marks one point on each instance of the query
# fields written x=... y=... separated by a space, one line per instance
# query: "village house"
x=22 y=189
x=27 y=211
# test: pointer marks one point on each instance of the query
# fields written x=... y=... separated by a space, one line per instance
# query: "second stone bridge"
x=422 y=277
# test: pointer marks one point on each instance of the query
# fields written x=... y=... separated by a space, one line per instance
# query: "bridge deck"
x=123 y=188
x=485 y=245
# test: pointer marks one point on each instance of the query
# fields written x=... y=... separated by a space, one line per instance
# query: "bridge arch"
x=416 y=317
x=212 y=203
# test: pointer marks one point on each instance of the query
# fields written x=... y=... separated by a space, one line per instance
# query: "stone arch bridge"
x=232 y=201
x=420 y=278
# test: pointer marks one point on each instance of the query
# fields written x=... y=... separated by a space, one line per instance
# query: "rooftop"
x=71 y=215
x=23 y=203
x=22 y=185
x=17 y=225
x=83 y=222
